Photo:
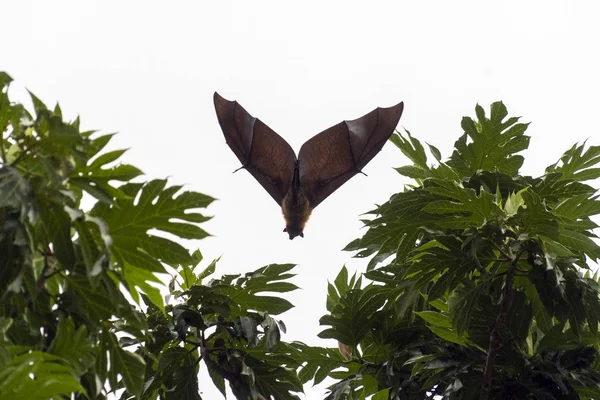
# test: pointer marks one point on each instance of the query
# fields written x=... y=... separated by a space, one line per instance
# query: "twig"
x=25 y=150
x=48 y=271
x=21 y=155
x=495 y=338
x=501 y=250
x=205 y=354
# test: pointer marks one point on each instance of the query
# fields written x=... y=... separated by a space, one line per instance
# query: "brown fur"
x=296 y=210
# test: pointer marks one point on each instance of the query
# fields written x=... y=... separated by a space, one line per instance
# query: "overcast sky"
x=148 y=70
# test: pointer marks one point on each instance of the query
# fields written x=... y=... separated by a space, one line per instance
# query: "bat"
x=325 y=162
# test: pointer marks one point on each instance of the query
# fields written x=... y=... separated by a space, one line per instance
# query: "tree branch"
x=205 y=355
x=495 y=338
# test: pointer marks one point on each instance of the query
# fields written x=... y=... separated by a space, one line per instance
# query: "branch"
x=205 y=355
x=495 y=338
x=25 y=150
x=22 y=154
x=49 y=270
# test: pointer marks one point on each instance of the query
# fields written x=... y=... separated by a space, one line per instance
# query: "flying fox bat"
x=325 y=162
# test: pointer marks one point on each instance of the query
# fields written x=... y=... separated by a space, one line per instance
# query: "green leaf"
x=73 y=345
x=98 y=143
x=5 y=80
x=520 y=317
x=94 y=255
x=481 y=207
x=318 y=362
x=575 y=163
x=186 y=383
x=104 y=159
x=413 y=172
x=555 y=249
x=14 y=189
x=578 y=241
x=411 y=148
x=161 y=249
x=140 y=277
x=514 y=202
x=57 y=111
x=38 y=105
x=187 y=276
x=63 y=134
x=439 y=304
x=449 y=335
x=57 y=226
x=493 y=143
x=208 y=270
x=129 y=365
x=469 y=127
x=218 y=381
x=353 y=317
x=586 y=393
x=435 y=318
x=398 y=225
x=129 y=224
x=272 y=305
x=101 y=191
x=341 y=281
x=53 y=377
x=123 y=172
x=436 y=153
x=498 y=112
x=463 y=303
x=576 y=207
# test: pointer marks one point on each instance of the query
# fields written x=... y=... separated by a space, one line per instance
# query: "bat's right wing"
x=335 y=155
x=265 y=154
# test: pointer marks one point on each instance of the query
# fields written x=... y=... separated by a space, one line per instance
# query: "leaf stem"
x=495 y=338
x=2 y=150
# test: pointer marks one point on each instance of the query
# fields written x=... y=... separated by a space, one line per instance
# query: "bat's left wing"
x=335 y=155
x=265 y=154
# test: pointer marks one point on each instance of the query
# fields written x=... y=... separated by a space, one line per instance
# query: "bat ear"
x=285 y=229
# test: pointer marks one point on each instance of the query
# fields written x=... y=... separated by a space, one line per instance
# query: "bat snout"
x=292 y=232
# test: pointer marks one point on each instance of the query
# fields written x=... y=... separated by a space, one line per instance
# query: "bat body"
x=324 y=163
x=296 y=207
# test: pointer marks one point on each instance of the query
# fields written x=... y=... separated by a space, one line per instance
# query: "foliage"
x=229 y=324
x=67 y=327
x=478 y=282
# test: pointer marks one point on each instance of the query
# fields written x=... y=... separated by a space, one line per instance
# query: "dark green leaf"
x=57 y=226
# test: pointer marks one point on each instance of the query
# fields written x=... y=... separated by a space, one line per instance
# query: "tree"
x=477 y=284
x=67 y=326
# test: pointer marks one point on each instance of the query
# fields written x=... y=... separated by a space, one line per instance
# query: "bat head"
x=294 y=230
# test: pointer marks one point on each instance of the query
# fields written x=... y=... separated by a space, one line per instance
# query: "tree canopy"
x=477 y=280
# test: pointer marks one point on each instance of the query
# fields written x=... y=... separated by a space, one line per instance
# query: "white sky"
x=148 y=70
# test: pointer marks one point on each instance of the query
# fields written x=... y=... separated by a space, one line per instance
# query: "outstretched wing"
x=335 y=155
x=265 y=154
